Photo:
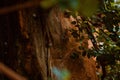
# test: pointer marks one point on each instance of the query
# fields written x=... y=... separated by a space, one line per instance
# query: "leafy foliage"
x=103 y=29
x=101 y=21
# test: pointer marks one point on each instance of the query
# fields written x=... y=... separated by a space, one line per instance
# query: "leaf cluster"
x=103 y=29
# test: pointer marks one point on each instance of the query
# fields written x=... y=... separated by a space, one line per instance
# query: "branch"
x=10 y=73
x=19 y=6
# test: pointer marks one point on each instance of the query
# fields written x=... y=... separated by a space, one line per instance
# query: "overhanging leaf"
x=48 y=3
x=88 y=7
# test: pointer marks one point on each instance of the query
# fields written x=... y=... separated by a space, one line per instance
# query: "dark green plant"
x=101 y=21
x=103 y=29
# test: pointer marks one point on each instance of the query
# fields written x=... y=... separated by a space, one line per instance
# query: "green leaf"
x=48 y=3
x=88 y=7
x=73 y=22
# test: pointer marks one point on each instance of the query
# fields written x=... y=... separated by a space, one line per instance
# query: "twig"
x=10 y=73
x=16 y=7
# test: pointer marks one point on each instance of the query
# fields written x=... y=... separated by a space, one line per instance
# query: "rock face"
x=62 y=50
x=65 y=53
x=29 y=30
